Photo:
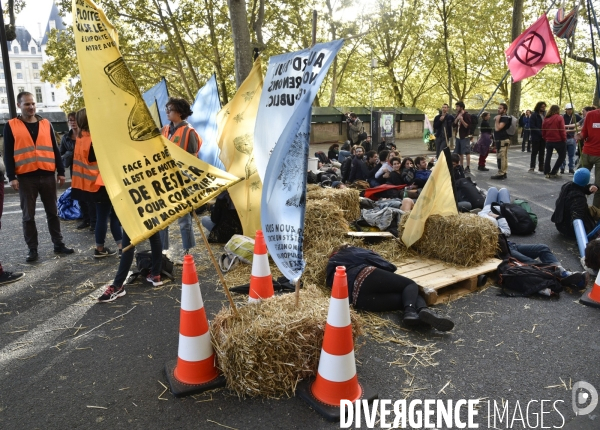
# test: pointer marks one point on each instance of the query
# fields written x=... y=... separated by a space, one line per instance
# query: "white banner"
x=284 y=194
x=289 y=77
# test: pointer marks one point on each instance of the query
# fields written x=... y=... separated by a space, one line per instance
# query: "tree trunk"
x=517 y=28
x=242 y=48
x=447 y=50
x=217 y=62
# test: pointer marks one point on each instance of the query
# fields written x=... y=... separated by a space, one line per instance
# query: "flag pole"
x=508 y=71
x=212 y=257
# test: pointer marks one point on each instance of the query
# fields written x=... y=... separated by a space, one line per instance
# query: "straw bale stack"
x=346 y=199
x=272 y=345
x=463 y=239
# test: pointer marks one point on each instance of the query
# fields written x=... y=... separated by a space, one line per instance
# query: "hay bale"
x=463 y=239
x=272 y=345
x=346 y=199
x=324 y=229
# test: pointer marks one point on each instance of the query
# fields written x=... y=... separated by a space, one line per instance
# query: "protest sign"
x=289 y=77
x=151 y=182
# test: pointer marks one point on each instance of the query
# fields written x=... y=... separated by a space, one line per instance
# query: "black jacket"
x=358 y=170
x=355 y=259
x=535 y=125
x=67 y=148
x=571 y=204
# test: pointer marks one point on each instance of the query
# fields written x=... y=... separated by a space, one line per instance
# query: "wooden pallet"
x=440 y=282
x=370 y=234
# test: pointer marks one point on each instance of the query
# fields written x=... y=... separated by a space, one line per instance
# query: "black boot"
x=438 y=322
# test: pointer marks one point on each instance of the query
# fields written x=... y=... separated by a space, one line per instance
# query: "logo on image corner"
x=585 y=398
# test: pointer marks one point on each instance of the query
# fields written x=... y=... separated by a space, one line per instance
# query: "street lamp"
x=10 y=93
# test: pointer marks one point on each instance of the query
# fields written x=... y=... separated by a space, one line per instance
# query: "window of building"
x=53 y=98
x=16 y=49
x=2 y=90
x=1 y=75
x=33 y=51
x=52 y=24
x=34 y=66
x=18 y=66
x=3 y=100
x=38 y=95
x=19 y=75
x=36 y=76
x=20 y=89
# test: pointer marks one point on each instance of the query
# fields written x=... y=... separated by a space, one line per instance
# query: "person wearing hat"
x=571 y=204
x=571 y=121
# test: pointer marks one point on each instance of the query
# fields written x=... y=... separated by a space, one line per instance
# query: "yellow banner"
x=236 y=141
x=437 y=198
x=151 y=182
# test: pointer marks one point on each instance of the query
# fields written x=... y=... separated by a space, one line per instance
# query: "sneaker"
x=104 y=253
x=154 y=280
x=8 y=277
x=468 y=169
x=555 y=176
x=93 y=228
x=483 y=168
x=571 y=172
x=62 y=249
x=578 y=280
x=32 y=256
x=547 y=176
x=111 y=293
x=438 y=322
x=410 y=317
x=82 y=225
x=499 y=176
x=531 y=169
x=562 y=171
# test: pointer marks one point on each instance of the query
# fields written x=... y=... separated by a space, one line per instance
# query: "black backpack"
x=322 y=157
x=473 y=125
x=518 y=219
x=526 y=279
x=143 y=263
x=466 y=191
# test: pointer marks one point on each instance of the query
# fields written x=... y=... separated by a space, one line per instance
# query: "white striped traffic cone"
x=194 y=371
x=336 y=378
x=261 y=282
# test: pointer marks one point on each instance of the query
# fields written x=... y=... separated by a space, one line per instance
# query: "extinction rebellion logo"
x=531 y=50
x=467 y=413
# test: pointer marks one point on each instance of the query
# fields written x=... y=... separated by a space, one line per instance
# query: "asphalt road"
x=68 y=362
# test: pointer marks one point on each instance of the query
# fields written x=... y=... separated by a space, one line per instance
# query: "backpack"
x=473 y=124
x=322 y=157
x=512 y=127
x=239 y=249
x=466 y=191
x=518 y=219
x=525 y=205
x=68 y=209
x=143 y=264
x=527 y=279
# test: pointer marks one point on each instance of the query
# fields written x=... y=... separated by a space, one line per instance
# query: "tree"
x=241 y=40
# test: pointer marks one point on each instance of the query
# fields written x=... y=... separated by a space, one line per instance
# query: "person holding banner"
x=32 y=157
x=374 y=287
x=183 y=135
x=87 y=186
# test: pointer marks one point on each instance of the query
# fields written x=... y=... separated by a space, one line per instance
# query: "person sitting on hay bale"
x=373 y=286
x=526 y=253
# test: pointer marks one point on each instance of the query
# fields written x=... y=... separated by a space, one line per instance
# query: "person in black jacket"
x=373 y=286
x=358 y=168
x=571 y=204
x=538 y=146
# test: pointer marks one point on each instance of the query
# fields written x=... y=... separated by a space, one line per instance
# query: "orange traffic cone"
x=261 y=283
x=591 y=297
x=194 y=370
x=336 y=378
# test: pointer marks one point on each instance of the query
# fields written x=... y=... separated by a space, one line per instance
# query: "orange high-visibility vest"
x=31 y=156
x=84 y=173
x=181 y=137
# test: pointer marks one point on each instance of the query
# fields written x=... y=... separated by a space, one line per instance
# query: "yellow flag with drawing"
x=437 y=198
x=150 y=181
x=236 y=140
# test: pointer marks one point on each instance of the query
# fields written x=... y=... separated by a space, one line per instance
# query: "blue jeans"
x=187 y=233
x=529 y=253
x=103 y=212
x=493 y=195
x=207 y=223
x=571 y=145
x=127 y=258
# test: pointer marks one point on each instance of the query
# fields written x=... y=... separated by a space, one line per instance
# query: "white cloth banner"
x=284 y=194
x=289 y=77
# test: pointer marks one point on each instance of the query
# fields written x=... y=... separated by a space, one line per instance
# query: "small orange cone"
x=194 y=370
x=336 y=378
x=261 y=283
x=591 y=297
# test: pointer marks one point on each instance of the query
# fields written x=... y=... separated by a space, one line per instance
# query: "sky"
x=35 y=11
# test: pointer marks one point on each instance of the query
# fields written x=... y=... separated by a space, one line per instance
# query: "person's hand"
x=593 y=189
x=60 y=180
x=493 y=215
x=15 y=184
x=577 y=136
